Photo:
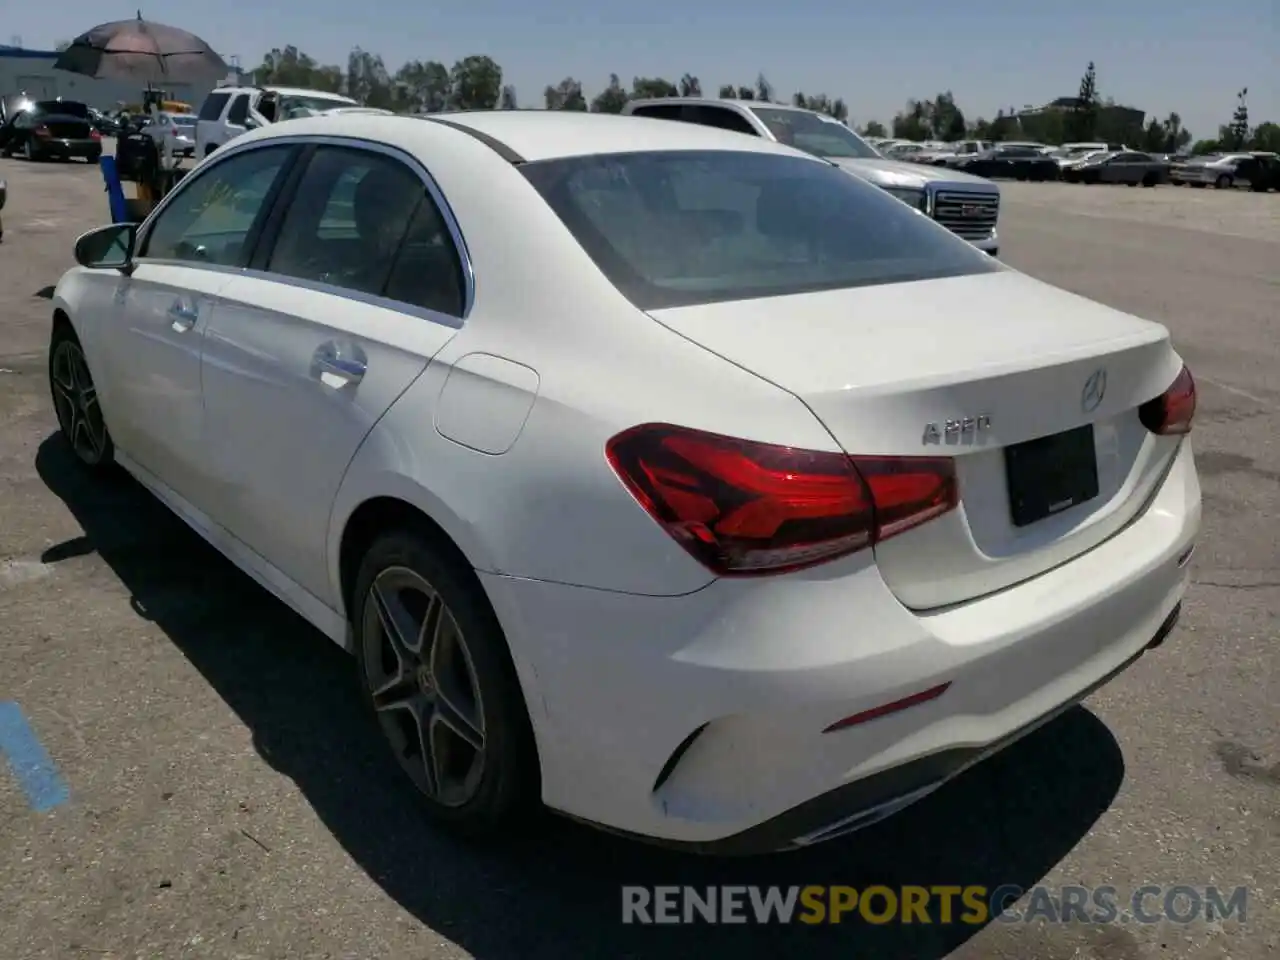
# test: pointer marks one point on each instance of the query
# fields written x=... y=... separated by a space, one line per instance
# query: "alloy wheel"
x=424 y=686
x=75 y=400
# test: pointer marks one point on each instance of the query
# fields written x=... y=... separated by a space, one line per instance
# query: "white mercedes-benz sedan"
x=671 y=477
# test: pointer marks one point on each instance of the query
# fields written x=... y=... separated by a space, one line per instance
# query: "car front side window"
x=212 y=219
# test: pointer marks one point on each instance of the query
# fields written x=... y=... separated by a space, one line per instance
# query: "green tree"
x=745 y=93
x=566 y=95
x=367 y=79
x=1083 y=121
x=1266 y=136
x=1003 y=127
x=612 y=98
x=873 y=128
x=822 y=103
x=1202 y=147
x=475 y=83
x=764 y=89
x=646 y=88
x=1238 y=129
x=945 y=119
x=689 y=86
x=728 y=92
x=912 y=123
x=508 y=101
x=424 y=86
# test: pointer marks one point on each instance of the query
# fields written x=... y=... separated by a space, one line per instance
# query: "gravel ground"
x=229 y=800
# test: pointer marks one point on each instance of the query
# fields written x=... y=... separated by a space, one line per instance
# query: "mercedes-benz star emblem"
x=1095 y=388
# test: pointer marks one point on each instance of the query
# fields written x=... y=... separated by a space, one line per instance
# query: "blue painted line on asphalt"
x=31 y=764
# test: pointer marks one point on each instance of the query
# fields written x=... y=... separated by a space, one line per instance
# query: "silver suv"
x=968 y=206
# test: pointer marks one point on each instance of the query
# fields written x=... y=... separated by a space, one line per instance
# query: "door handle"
x=182 y=316
x=332 y=363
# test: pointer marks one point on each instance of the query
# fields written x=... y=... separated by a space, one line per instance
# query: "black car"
x=1261 y=172
x=45 y=129
x=1016 y=163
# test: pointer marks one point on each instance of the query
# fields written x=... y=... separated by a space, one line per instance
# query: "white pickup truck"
x=968 y=206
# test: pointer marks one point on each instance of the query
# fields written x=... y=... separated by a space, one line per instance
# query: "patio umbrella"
x=141 y=51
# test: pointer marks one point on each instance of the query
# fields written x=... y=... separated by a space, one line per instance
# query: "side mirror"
x=107 y=248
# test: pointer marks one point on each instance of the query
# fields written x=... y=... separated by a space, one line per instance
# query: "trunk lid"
x=66 y=127
x=877 y=365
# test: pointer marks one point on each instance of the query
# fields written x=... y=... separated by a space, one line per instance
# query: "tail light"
x=94 y=135
x=42 y=131
x=1171 y=412
x=744 y=508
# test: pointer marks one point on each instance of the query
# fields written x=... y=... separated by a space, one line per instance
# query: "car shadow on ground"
x=558 y=894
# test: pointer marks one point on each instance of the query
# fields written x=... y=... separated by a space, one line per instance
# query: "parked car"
x=229 y=111
x=1260 y=172
x=967 y=206
x=1220 y=170
x=175 y=132
x=1019 y=162
x=1127 y=167
x=49 y=129
x=743 y=508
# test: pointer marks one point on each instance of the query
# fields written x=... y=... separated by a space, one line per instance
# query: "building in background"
x=31 y=72
x=1116 y=124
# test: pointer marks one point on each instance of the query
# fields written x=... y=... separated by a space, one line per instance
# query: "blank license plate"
x=1051 y=474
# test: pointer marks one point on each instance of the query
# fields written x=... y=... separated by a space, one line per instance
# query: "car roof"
x=556 y=134
x=284 y=91
x=722 y=102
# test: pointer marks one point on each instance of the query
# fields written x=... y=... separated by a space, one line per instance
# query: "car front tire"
x=436 y=672
x=75 y=401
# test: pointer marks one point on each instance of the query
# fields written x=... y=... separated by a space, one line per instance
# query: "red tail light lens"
x=1171 y=412
x=745 y=508
x=95 y=135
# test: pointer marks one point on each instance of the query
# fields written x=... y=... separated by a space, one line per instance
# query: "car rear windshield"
x=62 y=108
x=680 y=228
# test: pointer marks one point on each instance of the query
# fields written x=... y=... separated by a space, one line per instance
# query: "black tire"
x=1132 y=183
x=1198 y=186
x=1150 y=180
x=80 y=419
x=1222 y=183
x=505 y=791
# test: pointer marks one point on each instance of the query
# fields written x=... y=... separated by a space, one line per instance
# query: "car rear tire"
x=1222 y=183
x=75 y=401
x=436 y=672
x=1198 y=186
x=1150 y=180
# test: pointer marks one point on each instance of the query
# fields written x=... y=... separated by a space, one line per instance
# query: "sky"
x=1157 y=55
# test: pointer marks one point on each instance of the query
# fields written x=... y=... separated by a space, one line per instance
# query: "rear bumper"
x=699 y=720
x=54 y=147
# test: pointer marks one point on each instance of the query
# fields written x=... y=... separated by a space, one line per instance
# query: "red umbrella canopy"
x=142 y=51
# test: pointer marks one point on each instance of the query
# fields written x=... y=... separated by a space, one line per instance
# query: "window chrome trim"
x=233 y=150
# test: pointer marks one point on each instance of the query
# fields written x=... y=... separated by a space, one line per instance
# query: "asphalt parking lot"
x=226 y=798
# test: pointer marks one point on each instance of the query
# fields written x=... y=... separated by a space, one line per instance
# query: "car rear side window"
x=213 y=104
x=365 y=221
x=721 y=118
x=239 y=111
x=660 y=111
x=681 y=228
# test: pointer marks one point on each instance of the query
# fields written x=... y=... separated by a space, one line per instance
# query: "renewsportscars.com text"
x=973 y=905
